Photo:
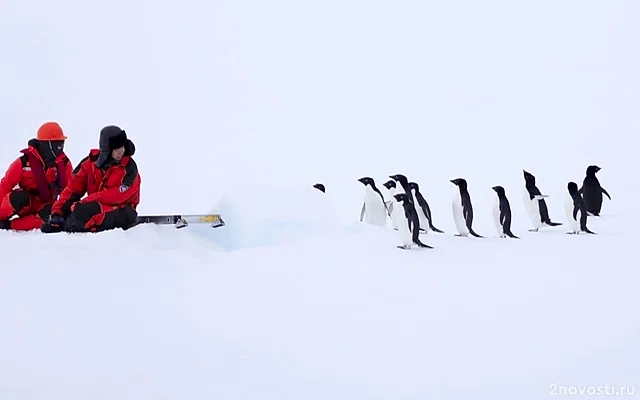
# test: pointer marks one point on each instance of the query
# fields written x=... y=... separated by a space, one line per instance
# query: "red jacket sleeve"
x=76 y=188
x=119 y=195
x=11 y=178
x=69 y=171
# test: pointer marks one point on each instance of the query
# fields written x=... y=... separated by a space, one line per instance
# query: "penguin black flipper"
x=414 y=225
x=468 y=217
x=505 y=221
x=422 y=202
x=427 y=211
x=605 y=192
x=362 y=212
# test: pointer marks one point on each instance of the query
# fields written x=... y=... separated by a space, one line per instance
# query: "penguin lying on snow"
x=320 y=187
x=406 y=218
x=576 y=210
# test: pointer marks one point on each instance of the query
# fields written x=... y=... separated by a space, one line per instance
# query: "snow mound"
x=271 y=215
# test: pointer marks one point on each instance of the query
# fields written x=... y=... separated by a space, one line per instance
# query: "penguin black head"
x=400 y=179
x=499 y=190
x=592 y=169
x=320 y=187
x=402 y=198
x=366 y=181
x=460 y=182
x=414 y=186
x=389 y=184
x=528 y=178
x=572 y=187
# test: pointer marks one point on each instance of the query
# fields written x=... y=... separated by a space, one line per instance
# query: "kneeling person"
x=34 y=180
x=110 y=179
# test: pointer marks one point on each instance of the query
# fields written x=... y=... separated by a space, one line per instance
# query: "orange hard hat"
x=50 y=131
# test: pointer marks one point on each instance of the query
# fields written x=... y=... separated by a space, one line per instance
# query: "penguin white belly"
x=400 y=220
x=375 y=210
x=392 y=205
x=458 y=216
x=496 y=217
x=574 y=223
x=533 y=209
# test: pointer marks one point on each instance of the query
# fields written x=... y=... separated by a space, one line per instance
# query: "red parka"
x=30 y=174
x=116 y=185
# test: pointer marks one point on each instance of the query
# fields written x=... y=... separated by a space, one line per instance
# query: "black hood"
x=48 y=150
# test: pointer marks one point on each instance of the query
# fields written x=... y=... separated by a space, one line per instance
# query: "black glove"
x=56 y=220
x=53 y=224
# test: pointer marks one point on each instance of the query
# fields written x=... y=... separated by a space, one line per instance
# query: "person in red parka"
x=34 y=180
x=110 y=179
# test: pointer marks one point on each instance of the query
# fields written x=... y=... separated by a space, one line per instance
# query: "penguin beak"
x=453 y=181
x=495 y=188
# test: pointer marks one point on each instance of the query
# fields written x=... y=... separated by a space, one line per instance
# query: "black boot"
x=5 y=225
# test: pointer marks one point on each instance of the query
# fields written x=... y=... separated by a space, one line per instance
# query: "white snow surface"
x=238 y=108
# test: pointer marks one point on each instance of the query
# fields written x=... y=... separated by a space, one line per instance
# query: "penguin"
x=374 y=207
x=407 y=220
x=462 y=209
x=391 y=188
x=422 y=207
x=502 y=213
x=390 y=185
x=576 y=210
x=591 y=191
x=404 y=187
x=535 y=204
x=320 y=187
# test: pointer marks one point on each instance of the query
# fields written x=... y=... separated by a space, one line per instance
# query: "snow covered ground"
x=239 y=107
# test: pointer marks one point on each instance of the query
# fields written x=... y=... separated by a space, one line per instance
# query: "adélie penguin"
x=502 y=213
x=423 y=209
x=462 y=209
x=535 y=204
x=374 y=210
x=406 y=218
x=390 y=185
x=576 y=210
x=591 y=191
x=320 y=187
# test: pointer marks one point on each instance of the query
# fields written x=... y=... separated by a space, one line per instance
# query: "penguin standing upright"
x=591 y=191
x=576 y=210
x=422 y=207
x=462 y=209
x=502 y=213
x=391 y=188
x=535 y=205
x=374 y=209
x=404 y=188
x=406 y=218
